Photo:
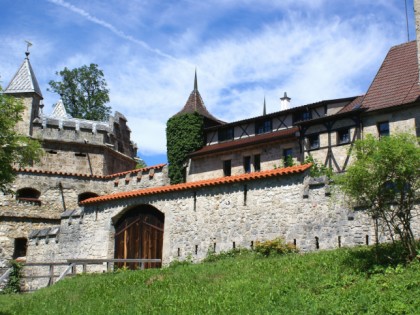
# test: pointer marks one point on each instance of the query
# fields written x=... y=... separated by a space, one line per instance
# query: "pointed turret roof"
x=59 y=110
x=195 y=104
x=24 y=81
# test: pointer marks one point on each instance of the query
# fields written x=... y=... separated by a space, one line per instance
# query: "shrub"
x=317 y=169
x=212 y=256
x=277 y=246
x=13 y=284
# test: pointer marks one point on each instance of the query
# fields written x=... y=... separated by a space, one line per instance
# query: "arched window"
x=28 y=195
x=86 y=195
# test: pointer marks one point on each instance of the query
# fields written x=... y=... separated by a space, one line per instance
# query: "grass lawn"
x=345 y=281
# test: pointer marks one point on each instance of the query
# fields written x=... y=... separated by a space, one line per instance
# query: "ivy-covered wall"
x=184 y=134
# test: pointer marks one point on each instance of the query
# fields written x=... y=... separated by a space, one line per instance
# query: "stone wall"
x=60 y=193
x=300 y=210
x=403 y=120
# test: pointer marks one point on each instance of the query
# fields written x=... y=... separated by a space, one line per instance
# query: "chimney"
x=285 y=101
x=417 y=17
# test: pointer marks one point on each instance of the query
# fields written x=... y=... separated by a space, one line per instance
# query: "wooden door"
x=139 y=234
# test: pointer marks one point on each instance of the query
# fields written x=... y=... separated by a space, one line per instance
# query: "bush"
x=317 y=169
x=277 y=246
x=13 y=284
x=212 y=256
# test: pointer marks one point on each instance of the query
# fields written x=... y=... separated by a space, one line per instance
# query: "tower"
x=185 y=133
x=24 y=85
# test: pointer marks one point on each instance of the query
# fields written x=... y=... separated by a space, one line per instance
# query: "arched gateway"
x=139 y=234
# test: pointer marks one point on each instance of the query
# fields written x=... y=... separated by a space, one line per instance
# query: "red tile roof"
x=35 y=171
x=203 y=183
x=253 y=140
x=396 y=82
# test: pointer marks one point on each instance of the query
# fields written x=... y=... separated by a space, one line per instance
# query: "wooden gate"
x=139 y=234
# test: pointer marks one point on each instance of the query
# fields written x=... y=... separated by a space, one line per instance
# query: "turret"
x=24 y=85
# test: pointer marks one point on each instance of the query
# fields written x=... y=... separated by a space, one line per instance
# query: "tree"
x=15 y=149
x=84 y=92
x=140 y=164
x=184 y=134
x=385 y=177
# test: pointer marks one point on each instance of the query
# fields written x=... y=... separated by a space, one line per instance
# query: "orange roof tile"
x=35 y=171
x=203 y=183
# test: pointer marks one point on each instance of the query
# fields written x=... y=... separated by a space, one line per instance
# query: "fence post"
x=51 y=281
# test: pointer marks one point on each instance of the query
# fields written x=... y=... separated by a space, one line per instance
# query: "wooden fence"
x=71 y=267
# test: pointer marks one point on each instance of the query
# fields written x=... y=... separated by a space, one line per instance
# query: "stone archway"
x=139 y=234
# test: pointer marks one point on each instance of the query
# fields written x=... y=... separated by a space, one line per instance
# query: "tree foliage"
x=140 y=164
x=84 y=92
x=15 y=149
x=385 y=177
x=184 y=134
x=317 y=169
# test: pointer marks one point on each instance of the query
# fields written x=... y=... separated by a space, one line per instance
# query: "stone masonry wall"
x=291 y=207
x=59 y=193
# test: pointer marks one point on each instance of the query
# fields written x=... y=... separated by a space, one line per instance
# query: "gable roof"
x=24 y=81
x=203 y=183
x=397 y=81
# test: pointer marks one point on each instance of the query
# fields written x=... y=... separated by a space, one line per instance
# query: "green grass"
x=346 y=281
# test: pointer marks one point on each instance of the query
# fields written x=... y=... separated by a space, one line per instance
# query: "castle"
x=84 y=200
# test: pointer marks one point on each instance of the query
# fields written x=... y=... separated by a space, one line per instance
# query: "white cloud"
x=302 y=48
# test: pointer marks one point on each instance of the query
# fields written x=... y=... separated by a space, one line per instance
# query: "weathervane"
x=28 y=44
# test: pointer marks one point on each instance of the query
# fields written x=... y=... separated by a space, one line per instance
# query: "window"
x=227 y=167
x=28 y=195
x=288 y=157
x=313 y=141
x=418 y=127
x=21 y=245
x=383 y=129
x=225 y=134
x=301 y=116
x=343 y=136
x=306 y=115
x=257 y=163
x=263 y=126
x=247 y=164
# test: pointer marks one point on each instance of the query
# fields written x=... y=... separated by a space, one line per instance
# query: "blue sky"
x=244 y=50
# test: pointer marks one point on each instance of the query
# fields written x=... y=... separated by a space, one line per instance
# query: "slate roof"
x=24 y=81
x=198 y=184
x=397 y=81
x=271 y=137
x=59 y=111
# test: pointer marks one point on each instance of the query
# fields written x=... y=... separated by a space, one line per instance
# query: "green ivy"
x=184 y=135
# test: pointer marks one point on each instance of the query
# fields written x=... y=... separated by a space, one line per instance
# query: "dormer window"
x=263 y=126
x=225 y=134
